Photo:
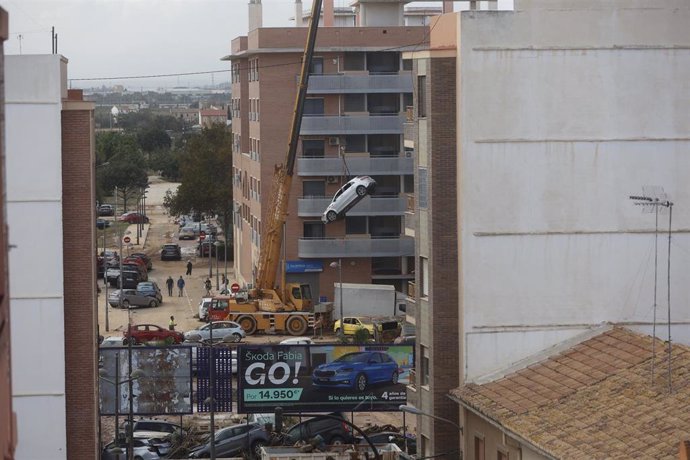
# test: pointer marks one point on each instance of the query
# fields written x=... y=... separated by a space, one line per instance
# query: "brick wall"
x=78 y=216
x=7 y=422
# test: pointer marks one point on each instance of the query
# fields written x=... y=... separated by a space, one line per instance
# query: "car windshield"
x=353 y=358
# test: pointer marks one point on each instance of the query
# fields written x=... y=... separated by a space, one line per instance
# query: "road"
x=162 y=229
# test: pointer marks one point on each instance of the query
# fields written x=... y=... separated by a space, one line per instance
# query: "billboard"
x=320 y=378
x=162 y=383
x=222 y=385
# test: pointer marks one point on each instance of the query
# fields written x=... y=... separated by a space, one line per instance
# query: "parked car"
x=134 y=217
x=112 y=341
x=106 y=210
x=143 y=273
x=204 y=305
x=131 y=298
x=112 y=259
x=187 y=233
x=102 y=224
x=137 y=261
x=130 y=278
x=357 y=370
x=143 y=333
x=349 y=195
x=297 y=341
x=153 y=428
x=150 y=289
x=171 y=252
x=147 y=260
x=382 y=329
x=233 y=440
x=117 y=449
x=386 y=437
x=222 y=330
x=331 y=430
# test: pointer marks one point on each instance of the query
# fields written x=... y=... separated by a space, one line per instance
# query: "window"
x=421 y=96
x=313 y=148
x=424 y=277
x=355 y=143
x=315 y=188
x=353 y=61
x=354 y=103
x=425 y=365
x=314 y=230
x=356 y=225
x=407 y=64
x=316 y=66
x=478 y=448
x=313 y=106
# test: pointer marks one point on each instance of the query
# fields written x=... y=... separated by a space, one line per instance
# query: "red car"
x=135 y=260
x=134 y=218
x=144 y=333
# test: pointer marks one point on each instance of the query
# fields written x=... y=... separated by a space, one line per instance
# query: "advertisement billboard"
x=225 y=360
x=321 y=378
x=162 y=382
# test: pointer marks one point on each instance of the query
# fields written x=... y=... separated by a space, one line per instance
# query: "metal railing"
x=395 y=246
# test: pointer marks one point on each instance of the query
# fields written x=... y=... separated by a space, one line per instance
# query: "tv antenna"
x=655 y=200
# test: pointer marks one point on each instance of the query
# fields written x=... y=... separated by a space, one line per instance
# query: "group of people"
x=208 y=284
x=170 y=283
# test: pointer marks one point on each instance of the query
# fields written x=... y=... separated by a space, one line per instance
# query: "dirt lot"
x=162 y=229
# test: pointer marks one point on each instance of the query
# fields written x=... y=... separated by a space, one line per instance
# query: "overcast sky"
x=110 y=38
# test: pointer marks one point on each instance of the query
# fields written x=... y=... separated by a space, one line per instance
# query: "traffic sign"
x=235 y=287
x=202 y=237
x=126 y=239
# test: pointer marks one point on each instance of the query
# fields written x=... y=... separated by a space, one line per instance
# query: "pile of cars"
x=135 y=269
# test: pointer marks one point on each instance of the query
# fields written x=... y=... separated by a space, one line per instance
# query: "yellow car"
x=352 y=323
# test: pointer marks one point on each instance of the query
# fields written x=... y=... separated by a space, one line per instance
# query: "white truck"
x=368 y=300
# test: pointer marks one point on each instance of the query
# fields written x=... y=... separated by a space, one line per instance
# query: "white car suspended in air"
x=349 y=195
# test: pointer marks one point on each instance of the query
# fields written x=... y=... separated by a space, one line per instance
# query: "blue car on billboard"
x=357 y=371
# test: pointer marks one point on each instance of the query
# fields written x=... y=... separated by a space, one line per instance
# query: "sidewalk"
x=131 y=232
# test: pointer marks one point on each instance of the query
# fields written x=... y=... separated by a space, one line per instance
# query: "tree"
x=205 y=176
x=152 y=138
x=123 y=166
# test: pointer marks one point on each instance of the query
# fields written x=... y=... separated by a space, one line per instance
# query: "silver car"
x=223 y=331
x=131 y=298
x=349 y=195
x=117 y=450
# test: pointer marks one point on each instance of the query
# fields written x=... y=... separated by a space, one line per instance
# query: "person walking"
x=189 y=268
x=208 y=285
x=180 y=286
x=170 y=282
x=172 y=323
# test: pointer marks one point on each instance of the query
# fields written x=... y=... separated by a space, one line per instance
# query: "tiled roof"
x=594 y=400
x=212 y=112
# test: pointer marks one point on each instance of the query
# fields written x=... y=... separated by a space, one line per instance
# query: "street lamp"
x=211 y=400
x=339 y=266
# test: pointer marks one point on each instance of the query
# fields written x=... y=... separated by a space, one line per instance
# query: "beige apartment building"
x=359 y=88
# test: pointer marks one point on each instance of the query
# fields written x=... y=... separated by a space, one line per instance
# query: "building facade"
x=51 y=215
x=563 y=109
x=353 y=124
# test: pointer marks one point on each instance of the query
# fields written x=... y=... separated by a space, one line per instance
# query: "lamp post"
x=339 y=266
x=105 y=279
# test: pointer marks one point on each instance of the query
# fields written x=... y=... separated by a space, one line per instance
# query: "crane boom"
x=272 y=237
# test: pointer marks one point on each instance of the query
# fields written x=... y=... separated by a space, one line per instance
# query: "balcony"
x=358 y=166
x=322 y=125
x=315 y=248
x=370 y=205
x=360 y=83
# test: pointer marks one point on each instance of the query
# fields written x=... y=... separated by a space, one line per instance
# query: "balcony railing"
x=358 y=166
x=352 y=124
x=401 y=246
x=360 y=83
x=371 y=205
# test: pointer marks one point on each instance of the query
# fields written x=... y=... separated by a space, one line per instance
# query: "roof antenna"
x=655 y=200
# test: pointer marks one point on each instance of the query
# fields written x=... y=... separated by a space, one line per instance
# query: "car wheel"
x=169 y=340
x=125 y=303
x=336 y=441
x=395 y=377
x=236 y=337
x=361 y=190
x=297 y=325
x=153 y=304
x=361 y=382
x=256 y=448
x=248 y=324
x=331 y=216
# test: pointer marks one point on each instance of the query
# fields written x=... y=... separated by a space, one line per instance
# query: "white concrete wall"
x=381 y=14
x=365 y=300
x=34 y=87
x=568 y=107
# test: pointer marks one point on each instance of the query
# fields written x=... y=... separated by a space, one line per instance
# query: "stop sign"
x=235 y=287
x=126 y=239
x=202 y=236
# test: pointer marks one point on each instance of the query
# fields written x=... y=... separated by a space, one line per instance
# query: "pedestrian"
x=318 y=326
x=170 y=282
x=189 y=268
x=180 y=286
x=172 y=324
x=224 y=287
x=208 y=285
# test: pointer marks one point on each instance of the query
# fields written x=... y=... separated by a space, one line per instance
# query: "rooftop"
x=593 y=400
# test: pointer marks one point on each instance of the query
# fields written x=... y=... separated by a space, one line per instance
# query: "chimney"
x=328 y=13
x=255 y=15
x=298 y=13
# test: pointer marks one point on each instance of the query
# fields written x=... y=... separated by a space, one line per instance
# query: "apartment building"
x=531 y=129
x=52 y=275
x=358 y=90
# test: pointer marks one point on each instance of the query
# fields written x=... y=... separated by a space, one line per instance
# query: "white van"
x=204 y=305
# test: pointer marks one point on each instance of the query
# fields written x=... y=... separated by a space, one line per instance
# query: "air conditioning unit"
x=334 y=140
x=408 y=153
x=332 y=179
